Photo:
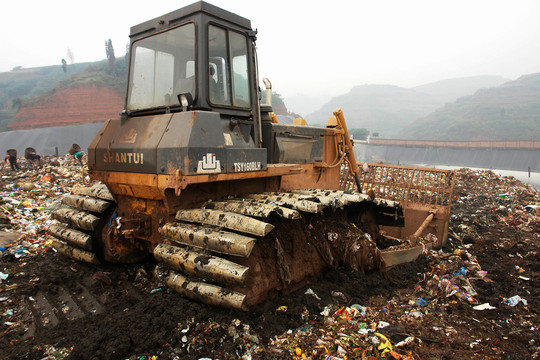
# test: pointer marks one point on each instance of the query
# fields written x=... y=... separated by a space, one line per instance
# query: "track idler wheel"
x=86 y=231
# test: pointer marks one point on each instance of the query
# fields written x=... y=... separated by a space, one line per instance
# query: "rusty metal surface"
x=409 y=184
x=420 y=191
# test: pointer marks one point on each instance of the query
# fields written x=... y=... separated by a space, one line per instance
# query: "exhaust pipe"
x=268 y=85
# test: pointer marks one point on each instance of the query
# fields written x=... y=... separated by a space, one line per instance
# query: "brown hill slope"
x=71 y=106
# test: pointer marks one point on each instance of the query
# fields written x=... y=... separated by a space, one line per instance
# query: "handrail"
x=482 y=144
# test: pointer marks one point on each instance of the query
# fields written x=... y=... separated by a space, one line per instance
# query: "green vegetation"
x=20 y=82
x=378 y=108
x=5 y=117
x=359 y=134
x=507 y=112
x=101 y=74
x=278 y=106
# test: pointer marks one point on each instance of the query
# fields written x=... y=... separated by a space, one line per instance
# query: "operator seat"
x=184 y=85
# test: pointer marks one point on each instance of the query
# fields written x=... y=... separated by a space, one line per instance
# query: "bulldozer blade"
x=227 y=220
x=80 y=219
x=98 y=190
x=202 y=265
x=297 y=203
x=222 y=242
x=206 y=293
x=73 y=237
x=253 y=208
x=85 y=203
x=75 y=253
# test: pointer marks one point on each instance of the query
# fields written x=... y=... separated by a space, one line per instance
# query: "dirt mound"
x=74 y=106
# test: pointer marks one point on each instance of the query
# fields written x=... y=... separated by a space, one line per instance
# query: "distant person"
x=35 y=160
x=78 y=155
x=32 y=157
x=76 y=151
x=11 y=156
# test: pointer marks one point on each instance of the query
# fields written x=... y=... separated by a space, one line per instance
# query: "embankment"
x=485 y=158
x=51 y=140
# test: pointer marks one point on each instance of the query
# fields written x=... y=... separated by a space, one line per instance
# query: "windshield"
x=228 y=53
x=162 y=66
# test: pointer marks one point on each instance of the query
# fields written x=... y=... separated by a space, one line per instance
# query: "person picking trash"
x=11 y=156
x=76 y=151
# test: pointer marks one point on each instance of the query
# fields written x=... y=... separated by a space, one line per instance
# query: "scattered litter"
x=361 y=309
x=409 y=340
x=333 y=236
x=339 y=294
x=422 y=302
x=385 y=344
x=485 y=306
x=311 y=292
x=514 y=300
x=382 y=324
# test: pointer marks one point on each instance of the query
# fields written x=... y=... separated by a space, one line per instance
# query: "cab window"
x=162 y=66
x=228 y=74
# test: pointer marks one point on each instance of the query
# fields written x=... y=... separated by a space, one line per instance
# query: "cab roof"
x=170 y=19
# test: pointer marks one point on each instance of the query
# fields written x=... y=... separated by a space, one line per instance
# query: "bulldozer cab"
x=192 y=103
x=192 y=98
x=196 y=58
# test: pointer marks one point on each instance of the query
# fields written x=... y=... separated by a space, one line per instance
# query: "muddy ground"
x=53 y=307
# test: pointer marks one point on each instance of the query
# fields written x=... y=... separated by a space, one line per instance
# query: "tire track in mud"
x=59 y=297
x=47 y=309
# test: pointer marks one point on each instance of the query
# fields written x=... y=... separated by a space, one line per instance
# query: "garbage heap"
x=27 y=197
x=477 y=297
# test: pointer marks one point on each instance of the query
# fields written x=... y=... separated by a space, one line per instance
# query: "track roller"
x=75 y=253
x=216 y=240
x=226 y=219
x=193 y=262
x=297 y=202
x=253 y=207
x=206 y=293
x=81 y=216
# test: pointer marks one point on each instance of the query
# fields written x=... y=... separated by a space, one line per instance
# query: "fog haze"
x=305 y=48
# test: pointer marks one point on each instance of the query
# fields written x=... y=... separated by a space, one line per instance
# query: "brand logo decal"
x=123 y=158
x=129 y=137
x=209 y=165
x=247 y=166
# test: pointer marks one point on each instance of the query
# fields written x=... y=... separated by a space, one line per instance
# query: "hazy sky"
x=305 y=47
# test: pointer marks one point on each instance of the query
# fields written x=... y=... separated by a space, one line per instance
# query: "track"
x=238 y=252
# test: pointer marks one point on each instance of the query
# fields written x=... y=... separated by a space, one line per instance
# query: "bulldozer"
x=234 y=206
